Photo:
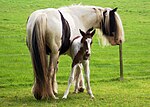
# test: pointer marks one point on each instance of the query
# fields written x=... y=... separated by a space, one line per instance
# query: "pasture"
x=16 y=74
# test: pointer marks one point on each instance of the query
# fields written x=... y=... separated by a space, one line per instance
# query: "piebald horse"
x=80 y=53
x=50 y=32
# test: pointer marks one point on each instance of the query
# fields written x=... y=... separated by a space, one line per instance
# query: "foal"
x=80 y=53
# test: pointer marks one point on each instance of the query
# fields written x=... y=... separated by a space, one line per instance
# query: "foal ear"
x=93 y=33
x=82 y=33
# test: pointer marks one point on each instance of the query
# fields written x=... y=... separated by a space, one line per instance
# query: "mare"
x=80 y=53
x=50 y=32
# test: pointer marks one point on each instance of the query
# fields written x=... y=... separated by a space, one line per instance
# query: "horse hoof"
x=81 y=89
x=38 y=96
x=55 y=93
x=56 y=98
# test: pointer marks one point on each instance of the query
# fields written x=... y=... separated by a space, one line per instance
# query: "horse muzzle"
x=115 y=42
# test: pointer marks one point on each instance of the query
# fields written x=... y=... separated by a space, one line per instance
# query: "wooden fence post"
x=121 y=62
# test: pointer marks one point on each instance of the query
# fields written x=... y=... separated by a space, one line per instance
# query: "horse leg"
x=71 y=78
x=51 y=73
x=87 y=77
x=55 y=85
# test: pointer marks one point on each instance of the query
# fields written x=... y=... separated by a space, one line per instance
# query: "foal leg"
x=81 y=83
x=71 y=78
x=87 y=77
x=77 y=78
x=79 y=86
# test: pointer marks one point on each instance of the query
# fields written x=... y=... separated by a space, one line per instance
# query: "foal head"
x=86 y=42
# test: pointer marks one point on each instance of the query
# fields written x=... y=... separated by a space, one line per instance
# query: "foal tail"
x=38 y=53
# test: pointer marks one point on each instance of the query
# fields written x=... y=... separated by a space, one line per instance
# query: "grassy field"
x=16 y=75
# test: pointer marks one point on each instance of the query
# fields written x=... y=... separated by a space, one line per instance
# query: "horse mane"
x=119 y=26
x=76 y=6
x=79 y=7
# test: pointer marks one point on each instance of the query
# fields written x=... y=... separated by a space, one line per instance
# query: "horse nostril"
x=120 y=41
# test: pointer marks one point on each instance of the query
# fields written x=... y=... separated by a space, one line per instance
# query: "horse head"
x=111 y=26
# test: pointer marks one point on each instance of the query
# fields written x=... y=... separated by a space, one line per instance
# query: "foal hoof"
x=92 y=96
x=38 y=96
x=81 y=89
x=64 y=97
x=75 y=92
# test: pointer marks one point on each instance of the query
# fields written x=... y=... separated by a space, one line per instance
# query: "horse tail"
x=38 y=53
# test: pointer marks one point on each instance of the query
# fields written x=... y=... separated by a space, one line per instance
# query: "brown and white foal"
x=80 y=53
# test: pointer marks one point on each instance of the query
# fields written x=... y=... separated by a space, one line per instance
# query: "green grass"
x=16 y=75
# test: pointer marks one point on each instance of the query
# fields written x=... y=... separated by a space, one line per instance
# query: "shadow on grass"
x=29 y=100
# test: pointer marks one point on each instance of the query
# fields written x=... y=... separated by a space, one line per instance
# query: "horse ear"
x=104 y=12
x=90 y=29
x=82 y=33
x=114 y=10
x=93 y=33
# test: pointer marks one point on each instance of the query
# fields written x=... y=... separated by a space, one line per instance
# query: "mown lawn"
x=16 y=75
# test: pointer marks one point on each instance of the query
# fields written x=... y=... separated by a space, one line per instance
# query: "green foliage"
x=16 y=75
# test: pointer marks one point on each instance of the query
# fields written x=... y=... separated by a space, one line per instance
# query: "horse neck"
x=87 y=16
